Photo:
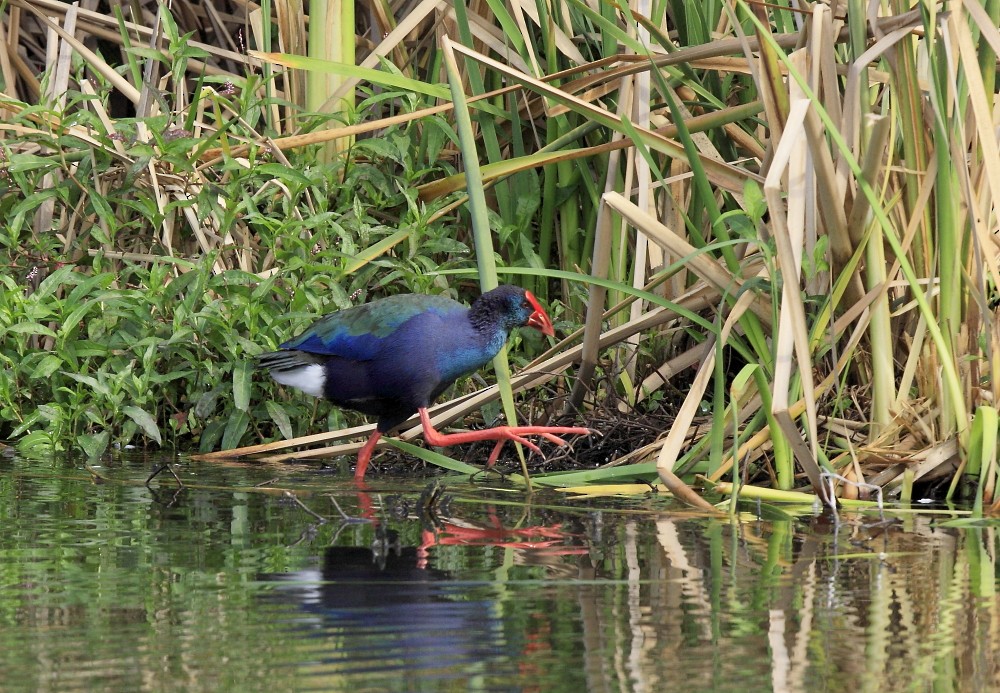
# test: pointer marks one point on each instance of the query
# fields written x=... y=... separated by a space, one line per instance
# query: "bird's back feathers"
x=357 y=332
x=389 y=357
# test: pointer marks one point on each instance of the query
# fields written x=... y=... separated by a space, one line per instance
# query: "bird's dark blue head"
x=508 y=307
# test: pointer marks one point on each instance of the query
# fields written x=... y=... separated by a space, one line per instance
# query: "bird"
x=393 y=357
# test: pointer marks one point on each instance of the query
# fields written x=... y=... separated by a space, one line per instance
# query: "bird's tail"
x=285 y=360
x=297 y=369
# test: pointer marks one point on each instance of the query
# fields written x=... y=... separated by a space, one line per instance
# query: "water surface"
x=230 y=584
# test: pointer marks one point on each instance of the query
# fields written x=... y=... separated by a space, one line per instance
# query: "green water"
x=230 y=585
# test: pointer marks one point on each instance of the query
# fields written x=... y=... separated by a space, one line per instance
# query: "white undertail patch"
x=310 y=379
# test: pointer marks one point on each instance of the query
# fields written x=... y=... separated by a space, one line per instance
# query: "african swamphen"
x=394 y=356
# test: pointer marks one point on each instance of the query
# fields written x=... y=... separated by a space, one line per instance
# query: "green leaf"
x=235 y=428
x=435 y=458
x=283 y=173
x=379 y=147
x=210 y=436
x=85 y=287
x=378 y=77
x=72 y=321
x=375 y=250
x=145 y=421
x=37 y=441
x=85 y=347
x=280 y=418
x=46 y=367
x=242 y=374
x=64 y=275
x=982 y=453
x=18 y=163
x=94 y=445
x=149 y=53
x=631 y=472
x=98 y=386
x=29 y=421
x=206 y=403
x=742 y=380
x=31 y=328
x=161 y=378
x=753 y=200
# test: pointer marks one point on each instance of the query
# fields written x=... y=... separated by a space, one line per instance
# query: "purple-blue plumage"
x=390 y=357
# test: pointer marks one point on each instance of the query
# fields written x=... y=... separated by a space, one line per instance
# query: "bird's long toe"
x=552 y=438
x=524 y=441
x=554 y=430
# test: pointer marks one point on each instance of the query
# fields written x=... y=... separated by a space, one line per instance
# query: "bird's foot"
x=517 y=433
x=501 y=434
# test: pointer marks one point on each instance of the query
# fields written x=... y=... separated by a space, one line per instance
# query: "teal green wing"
x=359 y=332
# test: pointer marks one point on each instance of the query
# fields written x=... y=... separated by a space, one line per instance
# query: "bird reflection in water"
x=381 y=611
x=385 y=610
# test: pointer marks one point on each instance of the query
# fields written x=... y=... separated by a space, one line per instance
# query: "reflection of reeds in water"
x=767 y=607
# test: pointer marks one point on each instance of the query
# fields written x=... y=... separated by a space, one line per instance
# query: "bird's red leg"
x=500 y=434
x=496 y=452
x=365 y=455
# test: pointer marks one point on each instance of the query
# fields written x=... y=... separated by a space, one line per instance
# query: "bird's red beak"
x=539 y=319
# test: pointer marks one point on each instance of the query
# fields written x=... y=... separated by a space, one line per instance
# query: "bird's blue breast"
x=467 y=353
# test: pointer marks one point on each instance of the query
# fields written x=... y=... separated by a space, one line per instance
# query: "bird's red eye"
x=526 y=304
